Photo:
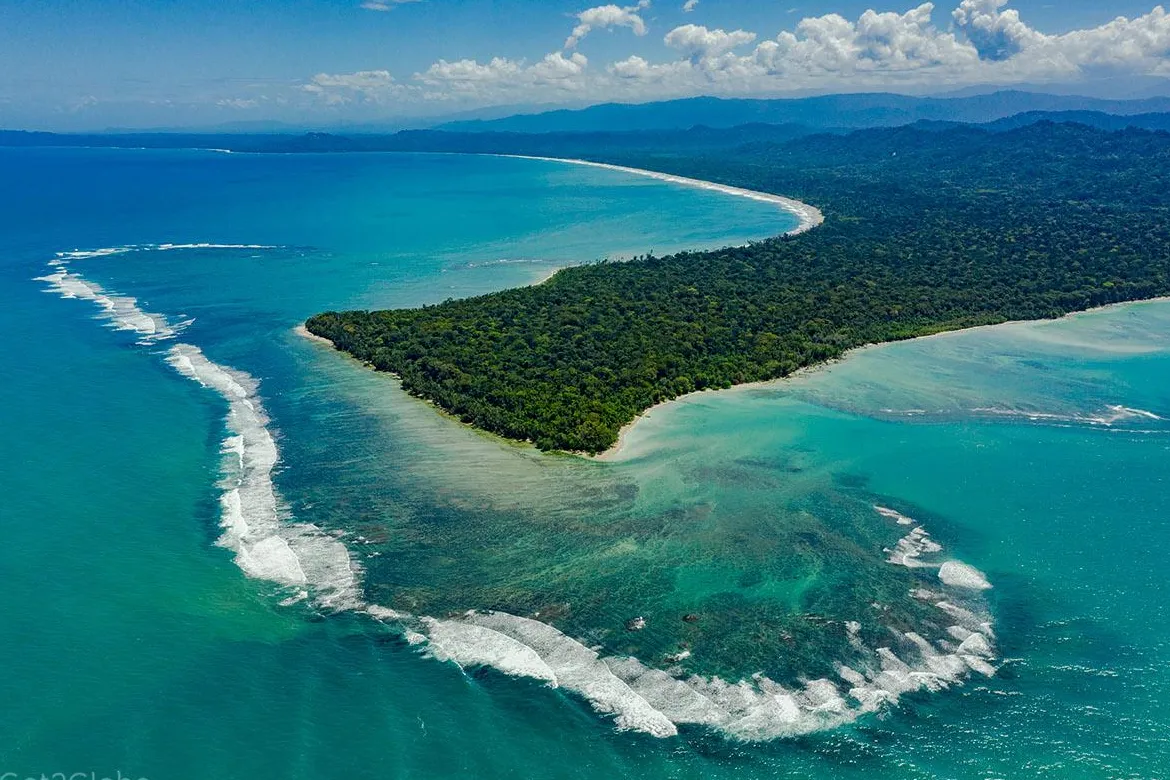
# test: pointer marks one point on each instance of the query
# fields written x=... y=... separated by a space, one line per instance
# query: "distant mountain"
x=1097 y=119
x=828 y=111
x=561 y=144
x=1094 y=119
x=663 y=143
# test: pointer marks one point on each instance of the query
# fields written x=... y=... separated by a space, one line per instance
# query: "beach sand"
x=809 y=216
x=616 y=452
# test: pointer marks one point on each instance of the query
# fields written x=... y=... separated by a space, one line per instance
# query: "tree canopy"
x=925 y=231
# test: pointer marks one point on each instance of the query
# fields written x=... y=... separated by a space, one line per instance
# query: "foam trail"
x=1111 y=415
x=300 y=556
x=121 y=312
x=266 y=545
x=657 y=702
x=85 y=254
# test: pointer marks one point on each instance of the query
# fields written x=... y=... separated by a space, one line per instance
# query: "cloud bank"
x=976 y=42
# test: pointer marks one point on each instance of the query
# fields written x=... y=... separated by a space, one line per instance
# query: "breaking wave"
x=656 y=702
x=270 y=545
x=267 y=545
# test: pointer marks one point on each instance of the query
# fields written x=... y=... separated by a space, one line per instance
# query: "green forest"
x=926 y=229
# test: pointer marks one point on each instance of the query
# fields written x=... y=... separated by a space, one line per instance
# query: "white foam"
x=579 y=669
x=468 y=645
x=809 y=216
x=959 y=575
x=1110 y=416
x=909 y=550
x=299 y=555
x=894 y=515
x=653 y=701
x=86 y=254
x=266 y=544
x=119 y=311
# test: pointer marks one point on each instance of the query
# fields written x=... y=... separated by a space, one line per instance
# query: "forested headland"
x=926 y=230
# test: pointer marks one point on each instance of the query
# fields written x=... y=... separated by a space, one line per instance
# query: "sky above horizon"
x=94 y=64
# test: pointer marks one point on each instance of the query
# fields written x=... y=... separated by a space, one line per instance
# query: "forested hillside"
x=925 y=230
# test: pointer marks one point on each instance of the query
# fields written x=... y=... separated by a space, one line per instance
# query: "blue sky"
x=69 y=64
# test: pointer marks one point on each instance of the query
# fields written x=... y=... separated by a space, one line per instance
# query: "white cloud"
x=699 y=43
x=690 y=5
x=988 y=43
x=375 y=86
x=1136 y=46
x=604 y=17
x=995 y=34
x=501 y=78
x=831 y=45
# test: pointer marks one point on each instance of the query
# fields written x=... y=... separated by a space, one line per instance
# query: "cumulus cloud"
x=1140 y=45
x=887 y=41
x=986 y=42
x=604 y=17
x=334 y=89
x=995 y=34
x=501 y=77
x=690 y=5
x=699 y=43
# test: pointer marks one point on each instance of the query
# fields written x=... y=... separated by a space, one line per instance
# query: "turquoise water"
x=1035 y=453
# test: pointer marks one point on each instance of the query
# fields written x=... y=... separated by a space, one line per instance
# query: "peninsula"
x=925 y=230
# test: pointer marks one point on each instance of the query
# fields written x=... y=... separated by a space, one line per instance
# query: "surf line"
x=314 y=565
x=267 y=544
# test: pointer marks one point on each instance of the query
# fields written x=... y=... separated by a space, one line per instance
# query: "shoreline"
x=303 y=332
x=614 y=453
x=809 y=216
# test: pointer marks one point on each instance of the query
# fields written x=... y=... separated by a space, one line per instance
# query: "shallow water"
x=138 y=644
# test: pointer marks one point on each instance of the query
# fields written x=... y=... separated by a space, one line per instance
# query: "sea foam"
x=1111 y=415
x=658 y=702
x=271 y=546
x=267 y=545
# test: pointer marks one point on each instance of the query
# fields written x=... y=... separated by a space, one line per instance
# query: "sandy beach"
x=302 y=331
x=809 y=216
x=615 y=452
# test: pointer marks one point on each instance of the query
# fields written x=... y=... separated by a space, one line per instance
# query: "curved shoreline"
x=809 y=216
x=614 y=453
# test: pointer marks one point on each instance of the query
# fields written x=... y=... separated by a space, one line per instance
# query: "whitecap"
x=267 y=545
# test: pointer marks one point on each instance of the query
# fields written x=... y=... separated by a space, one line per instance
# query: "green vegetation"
x=925 y=231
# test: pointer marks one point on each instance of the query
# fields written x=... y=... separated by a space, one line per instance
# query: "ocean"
x=231 y=551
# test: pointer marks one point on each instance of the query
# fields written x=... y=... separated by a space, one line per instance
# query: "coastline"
x=809 y=216
x=303 y=332
x=615 y=452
